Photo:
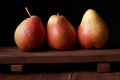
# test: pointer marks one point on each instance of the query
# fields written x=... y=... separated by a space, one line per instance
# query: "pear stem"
x=57 y=14
x=27 y=11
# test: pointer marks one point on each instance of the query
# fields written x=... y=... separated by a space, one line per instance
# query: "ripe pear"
x=30 y=33
x=61 y=34
x=92 y=31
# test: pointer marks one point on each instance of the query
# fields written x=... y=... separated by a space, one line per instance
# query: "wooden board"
x=95 y=76
x=61 y=76
x=13 y=55
x=36 y=76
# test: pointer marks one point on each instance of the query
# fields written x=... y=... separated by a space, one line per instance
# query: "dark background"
x=12 y=12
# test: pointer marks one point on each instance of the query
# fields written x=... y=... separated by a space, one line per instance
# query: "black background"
x=12 y=12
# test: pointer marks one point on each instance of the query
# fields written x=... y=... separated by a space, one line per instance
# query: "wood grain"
x=103 y=67
x=12 y=55
x=61 y=76
x=95 y=76
x=36 y=76
x=16 y=68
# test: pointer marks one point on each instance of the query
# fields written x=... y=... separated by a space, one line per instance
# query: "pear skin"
x=30 y=33
x=92 y=31
x=61 y=35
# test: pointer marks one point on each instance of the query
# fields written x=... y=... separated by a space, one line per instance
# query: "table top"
x=59 y=65
x=61 y=76
x=13 y=55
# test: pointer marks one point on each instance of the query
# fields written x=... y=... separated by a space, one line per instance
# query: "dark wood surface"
x=36 y=74
x=95 y=76
x=13 y=55
x=61 y=76
x=59 y=65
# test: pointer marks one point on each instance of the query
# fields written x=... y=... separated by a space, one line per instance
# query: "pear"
x=92 y=31
x=30 y=33
x=61 y=34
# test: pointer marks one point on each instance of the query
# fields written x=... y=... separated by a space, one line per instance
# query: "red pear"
x=30 y=33
x=61 y=34
x=92 y=31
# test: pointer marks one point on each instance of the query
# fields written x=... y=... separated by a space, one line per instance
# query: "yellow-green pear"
x=93 y=30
